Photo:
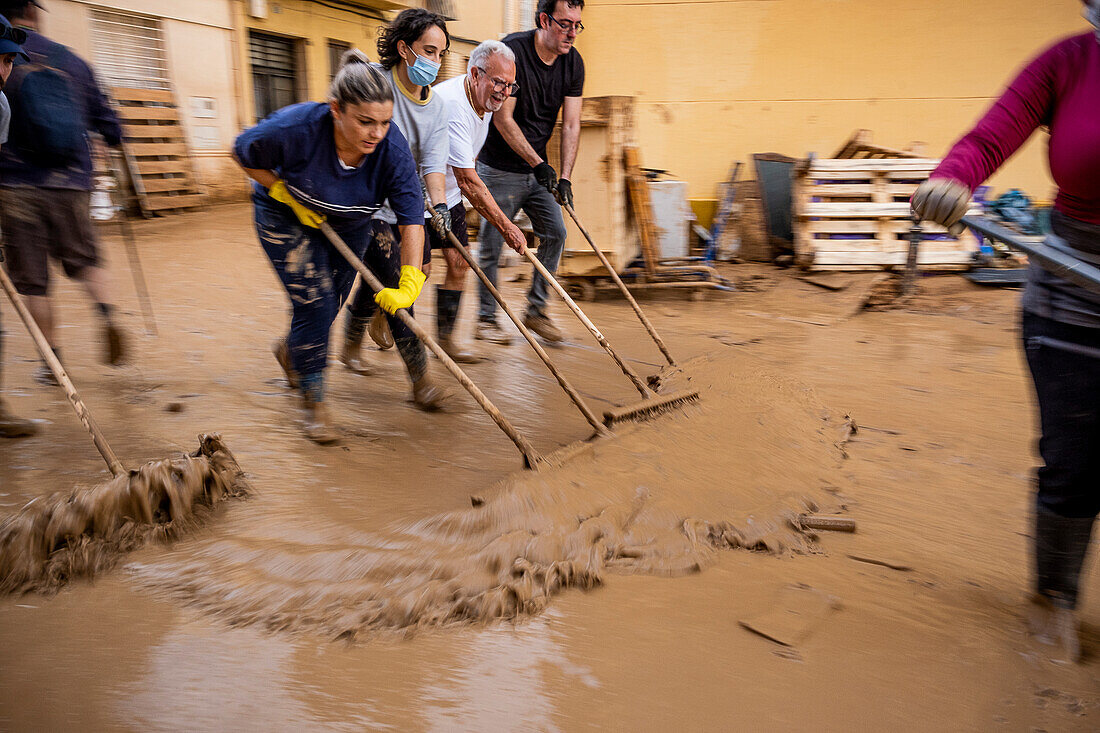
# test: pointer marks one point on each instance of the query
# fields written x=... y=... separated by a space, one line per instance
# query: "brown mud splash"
x=62 y=536
x=659 y=498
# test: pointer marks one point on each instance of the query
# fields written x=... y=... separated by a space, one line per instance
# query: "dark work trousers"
x=512 y=192
x=1065 y=366
x=383 y=258
x=316 y=277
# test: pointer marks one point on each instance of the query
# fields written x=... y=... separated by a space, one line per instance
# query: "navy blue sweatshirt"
x=298 y=143
x=15 y=170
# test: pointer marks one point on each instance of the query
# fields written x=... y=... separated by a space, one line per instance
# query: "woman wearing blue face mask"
x=410 y=50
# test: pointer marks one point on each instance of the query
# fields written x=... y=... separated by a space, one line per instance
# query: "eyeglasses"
x=500 y=85
x=568 y=25
x=15 y=35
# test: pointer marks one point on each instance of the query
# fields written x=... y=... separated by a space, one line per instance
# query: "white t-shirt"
x=467 y=132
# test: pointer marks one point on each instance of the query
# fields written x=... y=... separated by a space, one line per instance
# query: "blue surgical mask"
x=423 y=71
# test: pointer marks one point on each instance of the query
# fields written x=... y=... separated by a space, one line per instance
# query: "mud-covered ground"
x=353 y=590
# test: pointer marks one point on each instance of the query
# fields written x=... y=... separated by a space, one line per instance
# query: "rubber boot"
x=351 y=352
x=282 y=355
x=114 y=343
x=379 y=330
x=1060 y=546
x=14 y=427
x=425 y=393
x=447 y=303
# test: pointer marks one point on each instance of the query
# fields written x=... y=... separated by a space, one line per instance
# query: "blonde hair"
x=359 y=81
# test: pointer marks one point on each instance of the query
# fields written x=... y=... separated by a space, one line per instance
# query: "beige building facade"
x=718 y=81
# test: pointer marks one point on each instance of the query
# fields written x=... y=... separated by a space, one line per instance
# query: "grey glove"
x=943 y=201
x=441 y=220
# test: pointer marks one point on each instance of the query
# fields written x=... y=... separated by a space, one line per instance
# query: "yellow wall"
x=719 y=81
x=316 y=24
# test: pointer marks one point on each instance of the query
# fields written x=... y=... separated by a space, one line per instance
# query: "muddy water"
x=179 y=638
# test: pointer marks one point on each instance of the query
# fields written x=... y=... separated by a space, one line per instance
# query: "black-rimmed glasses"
x=568 y=25
x=500 y=85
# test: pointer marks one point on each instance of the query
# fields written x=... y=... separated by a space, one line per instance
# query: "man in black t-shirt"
x=550 y=77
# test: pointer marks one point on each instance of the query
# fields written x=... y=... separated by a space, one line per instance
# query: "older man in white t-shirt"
x=471 y=100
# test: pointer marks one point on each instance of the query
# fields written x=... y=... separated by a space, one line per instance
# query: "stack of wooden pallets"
x=853 y=214
x=156 y=151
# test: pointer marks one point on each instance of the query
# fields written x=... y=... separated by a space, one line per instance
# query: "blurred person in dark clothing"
x=1059 y=90
x=45 y=177
x=10 y=48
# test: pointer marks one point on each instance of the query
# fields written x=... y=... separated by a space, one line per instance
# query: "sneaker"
x=114 y=343
x=489 y=330
x=14 y=427
x=543 y=326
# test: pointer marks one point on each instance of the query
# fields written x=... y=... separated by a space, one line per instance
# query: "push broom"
x=55 y=538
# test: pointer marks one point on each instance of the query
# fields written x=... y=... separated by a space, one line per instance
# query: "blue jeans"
x=512 y=192
x=316 y=277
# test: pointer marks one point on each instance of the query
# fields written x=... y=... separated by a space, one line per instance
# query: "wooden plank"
x=148 y=113
x=886 y=164
x=960 y=257
x=161 y=185
x=139 y=149
x=150 y=132
x=160 y=167
x=160 y=202
x=126 y=94
x=863 y=226
x=643 y=211
x=862 y=210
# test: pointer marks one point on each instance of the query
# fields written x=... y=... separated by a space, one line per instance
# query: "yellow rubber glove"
x=406 y=292
x=307 y=216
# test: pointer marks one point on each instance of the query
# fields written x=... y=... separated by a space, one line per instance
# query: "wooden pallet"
x=853 y=214
x=859 y=146
x=156 y=151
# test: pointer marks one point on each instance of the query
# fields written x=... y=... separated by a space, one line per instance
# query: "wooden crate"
x=859 y=145
x=853 y=214
x=599 y=188
x=156 y=151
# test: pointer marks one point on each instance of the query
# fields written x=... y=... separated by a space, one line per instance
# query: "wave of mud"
x=58 y=537
x=660 y=498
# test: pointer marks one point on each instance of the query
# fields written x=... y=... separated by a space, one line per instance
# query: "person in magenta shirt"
x=1059 y=90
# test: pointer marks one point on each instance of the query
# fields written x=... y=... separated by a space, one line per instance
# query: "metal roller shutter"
x=129 y=50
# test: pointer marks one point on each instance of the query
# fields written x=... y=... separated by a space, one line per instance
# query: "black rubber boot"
x=1061 y=544
x=426 y=394
x=447 y=303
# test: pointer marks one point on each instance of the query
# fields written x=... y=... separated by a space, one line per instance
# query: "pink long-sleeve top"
x=1060 y=90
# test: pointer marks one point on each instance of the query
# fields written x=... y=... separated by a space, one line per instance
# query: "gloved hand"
x=307 y=216
x=943 y=201
x=406 y=292
x=546 y=176
x=564 y=193
x=441 y=220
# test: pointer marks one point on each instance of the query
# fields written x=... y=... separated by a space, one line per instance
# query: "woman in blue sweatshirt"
x=339 y=162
